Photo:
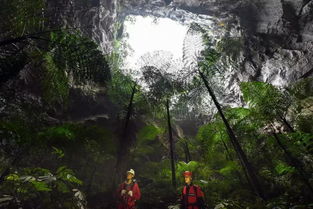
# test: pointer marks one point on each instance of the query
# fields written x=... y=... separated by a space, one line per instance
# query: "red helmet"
x=187 y=173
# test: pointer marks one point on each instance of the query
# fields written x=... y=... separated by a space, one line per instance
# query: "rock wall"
x=278 y=34
x=279 y=43
x=95 y=18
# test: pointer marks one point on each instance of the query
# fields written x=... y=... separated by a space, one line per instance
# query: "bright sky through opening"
x=147 y=36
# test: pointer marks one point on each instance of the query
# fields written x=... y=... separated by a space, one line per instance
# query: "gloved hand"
x=123 y=192
x=130 y=193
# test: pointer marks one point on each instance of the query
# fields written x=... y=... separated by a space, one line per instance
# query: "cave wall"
x=278 y=34
x=95 y=18
x=279 y=40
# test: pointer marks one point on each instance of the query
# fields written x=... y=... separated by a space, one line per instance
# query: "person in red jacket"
x=128 y=192
x=192 y=196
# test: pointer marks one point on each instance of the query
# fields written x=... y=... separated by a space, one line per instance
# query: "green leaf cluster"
x=79 y=57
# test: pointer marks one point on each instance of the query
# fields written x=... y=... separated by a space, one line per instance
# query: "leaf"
x=58 y=152
x=73 y=179
x=283 y=169
x=229 y=168
x=41 y=186
x=62 y=133
x=265 y=99
x=67 y=174
x=12 y=177
x=238 y=113
x=190 y=166
x=149 y=133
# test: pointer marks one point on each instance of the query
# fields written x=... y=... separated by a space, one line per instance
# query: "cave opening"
x=149 y=34
x=154 y=40
x=172 y=43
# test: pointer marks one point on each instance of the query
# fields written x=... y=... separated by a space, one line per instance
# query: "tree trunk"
x=295 y=163
x=187 y=152
x=171 y=143
x=284 y=120
x=241 y=155
x=124 y=142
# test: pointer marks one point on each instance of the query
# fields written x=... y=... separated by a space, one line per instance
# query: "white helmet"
x=131 y=171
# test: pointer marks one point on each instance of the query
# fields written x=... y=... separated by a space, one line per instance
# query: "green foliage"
x=67 y=175
x=18 y=19
x=58 y=152
x=21 y=17
x=281 y=168
x=162 y=85
x=302 y=111
x=39 y=186
x=58 y=132
x=148 y=133
x=209 y=58
x=82 y=147
x=230 y=47
x=302 y=89
x=212 y=133
x=80 y=57
x=265 y=99
x=302 y=140
x=229 y=168
x=236 y=115
x=183 y=166
x=65 y=58
x=55 y=83
x=120 y=88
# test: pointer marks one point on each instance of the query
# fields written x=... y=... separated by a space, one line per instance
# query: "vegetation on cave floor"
x=257 y=156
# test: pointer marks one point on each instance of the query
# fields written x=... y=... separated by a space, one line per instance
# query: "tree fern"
x=80 y=57
x=54 y=82
x=21 y=17
x=265 y=99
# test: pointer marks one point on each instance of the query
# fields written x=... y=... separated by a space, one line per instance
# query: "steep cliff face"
x=96 y=19
x=274 y=30
x=278 y=34
x=279 y=41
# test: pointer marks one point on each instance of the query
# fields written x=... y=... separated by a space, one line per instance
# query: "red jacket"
x=192 y=197
x=126 y=201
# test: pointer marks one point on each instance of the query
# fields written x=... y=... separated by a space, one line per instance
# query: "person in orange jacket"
x=192 y=196
x=128 y=192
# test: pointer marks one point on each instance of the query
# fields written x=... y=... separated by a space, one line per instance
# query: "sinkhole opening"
x=158 y=42
x=148 y=34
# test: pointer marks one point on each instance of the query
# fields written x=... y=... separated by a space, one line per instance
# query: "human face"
x=188 y=179
x=130 y=176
